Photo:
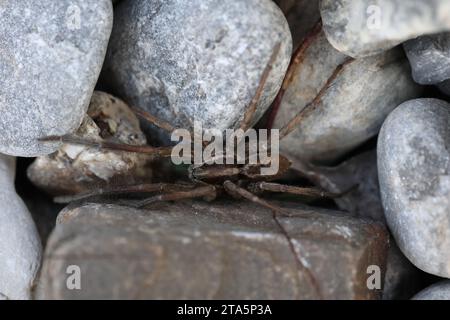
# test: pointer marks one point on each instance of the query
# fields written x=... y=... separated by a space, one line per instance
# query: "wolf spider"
x=211 y=180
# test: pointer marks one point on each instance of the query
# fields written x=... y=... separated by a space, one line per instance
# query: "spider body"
x=209 y=180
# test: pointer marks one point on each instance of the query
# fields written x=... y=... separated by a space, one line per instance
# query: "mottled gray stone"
x=76 y=169
x=302 y=15
x=50 y=57
x=196 y=60
x=430 y=58
x=361 y=28
x=219 y=250
x=438 y=291
x=351 y=110
x=414 y=174
x=20 y=246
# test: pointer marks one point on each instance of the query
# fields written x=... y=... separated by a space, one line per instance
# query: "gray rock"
x=50 y=59
x=196 y=60
x=20 y=246
x=414 y=173
x=362 y=28
x=438 y=291
x=351 y=110
x=302 y=16
x=430 y=58
x=219 y=250
x=76 y=169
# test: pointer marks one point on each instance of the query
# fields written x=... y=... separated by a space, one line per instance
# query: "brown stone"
x=220 y=250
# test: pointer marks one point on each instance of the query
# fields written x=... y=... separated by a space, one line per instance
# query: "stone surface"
x=196 y=60
x=50 y=59
x=76 y=169
x=438 y=291
x=430 y=58
x=199 y=250
x=353 y=107
x=20 y=246
x=414 y=173
x=301 y=15
x=361 y=28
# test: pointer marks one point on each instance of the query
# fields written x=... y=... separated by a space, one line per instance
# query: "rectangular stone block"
x=219 y=250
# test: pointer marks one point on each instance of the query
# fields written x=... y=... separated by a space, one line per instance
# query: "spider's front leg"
x=246 y=122
x=310 y=107
x=113 y=146
x=297 y=59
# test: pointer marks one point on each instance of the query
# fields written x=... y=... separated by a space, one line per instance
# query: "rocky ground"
x=369 y=80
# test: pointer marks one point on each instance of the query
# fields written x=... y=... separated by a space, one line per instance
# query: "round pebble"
x=197 y=60
x=414 y=174
x=51 y=55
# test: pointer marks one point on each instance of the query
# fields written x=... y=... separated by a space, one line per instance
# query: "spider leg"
x=200 y=192
x=250 y=111
x=138 y=188
x=282 y=188
x=297 y=59
x=234 y=189
x=296 y=120
x=157 y=152
x=164 y=125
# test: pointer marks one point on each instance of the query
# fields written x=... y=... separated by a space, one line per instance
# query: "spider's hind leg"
x=235 y=190
x=126 y=189
x=208 y=192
